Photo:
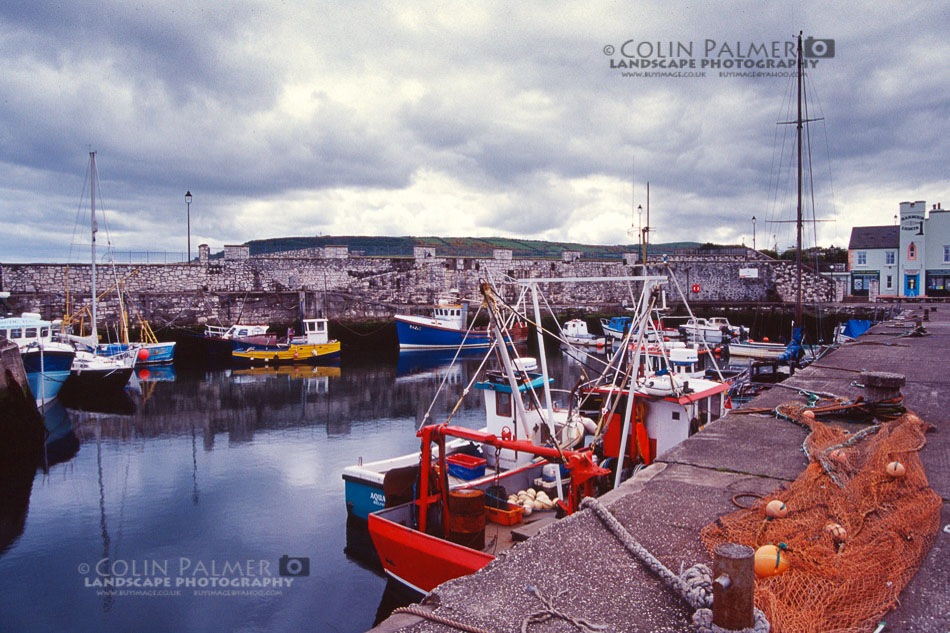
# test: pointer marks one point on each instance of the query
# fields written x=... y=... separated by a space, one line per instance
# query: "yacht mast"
x=92 y=189
x=798 y=257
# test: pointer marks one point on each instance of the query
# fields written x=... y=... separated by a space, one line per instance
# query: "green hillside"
x=455 y=246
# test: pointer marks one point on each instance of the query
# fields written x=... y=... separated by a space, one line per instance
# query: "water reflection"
x=217 y=465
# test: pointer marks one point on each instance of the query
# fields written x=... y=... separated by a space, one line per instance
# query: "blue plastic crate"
x=466 y=467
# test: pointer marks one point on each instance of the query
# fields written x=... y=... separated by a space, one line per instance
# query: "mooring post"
x=733 y=586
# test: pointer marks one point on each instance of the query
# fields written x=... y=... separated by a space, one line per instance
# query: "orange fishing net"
x=842 y=581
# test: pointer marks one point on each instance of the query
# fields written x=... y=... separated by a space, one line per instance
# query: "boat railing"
x=215 y=330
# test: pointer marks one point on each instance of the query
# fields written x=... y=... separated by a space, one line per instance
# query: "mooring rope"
x=694 y=585
x=414 y=609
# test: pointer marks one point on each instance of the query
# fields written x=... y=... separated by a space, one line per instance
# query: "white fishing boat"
x=713 y=330
x=575 y=333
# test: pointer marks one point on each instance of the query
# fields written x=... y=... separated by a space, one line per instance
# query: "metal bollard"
x=733 y=586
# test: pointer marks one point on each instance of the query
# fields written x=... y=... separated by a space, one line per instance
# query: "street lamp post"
x=188 y=203
x=753 y=233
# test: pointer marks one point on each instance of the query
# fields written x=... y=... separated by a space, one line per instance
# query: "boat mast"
x=798 y=258
x=92 y=189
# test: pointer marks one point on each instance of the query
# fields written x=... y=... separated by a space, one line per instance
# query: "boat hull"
x=85 y=381
x=157 y=352
x=414 y=334
x=308 y=353
x=363 y=497
x=418 y=560
x=761 y=351
x=48 y=378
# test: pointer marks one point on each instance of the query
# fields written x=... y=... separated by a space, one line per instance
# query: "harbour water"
x=188 y=494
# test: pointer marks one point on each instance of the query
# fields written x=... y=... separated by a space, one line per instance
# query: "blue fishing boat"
x=154 y=353
x=446 y=329
x=616 y=327
x=47 y=362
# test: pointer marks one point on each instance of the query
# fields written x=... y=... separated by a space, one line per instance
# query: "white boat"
x=713 y=330
x=575 y=332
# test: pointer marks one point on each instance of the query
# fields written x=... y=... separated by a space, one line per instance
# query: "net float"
x=776 y=509
x=896 y=469
x=770 y=560
x=838 y=455
x=808 y=413
x=837 y=532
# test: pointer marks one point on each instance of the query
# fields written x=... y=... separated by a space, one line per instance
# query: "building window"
x=889 y=258
x=890 y=282
x=946 y=254
x=862 y=258
x=912 y=251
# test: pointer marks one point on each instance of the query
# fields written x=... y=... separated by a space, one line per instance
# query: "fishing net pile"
x=842 y=579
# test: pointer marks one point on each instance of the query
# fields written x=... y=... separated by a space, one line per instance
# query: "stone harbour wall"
x=277 y=289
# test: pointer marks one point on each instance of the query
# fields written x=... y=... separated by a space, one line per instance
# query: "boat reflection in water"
x=61 y=441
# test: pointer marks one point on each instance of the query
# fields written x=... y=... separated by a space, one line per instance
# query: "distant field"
x=455 y=246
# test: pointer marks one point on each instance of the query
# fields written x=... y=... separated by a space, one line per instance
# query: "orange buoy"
x=896 y=469
x=770 y=560
x=765 y=340
x=776 y=509
x=143 y=353
x=836 y=531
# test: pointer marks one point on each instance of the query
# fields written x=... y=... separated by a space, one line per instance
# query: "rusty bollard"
x=882 y=385
x=926 y=314
x=733 y=586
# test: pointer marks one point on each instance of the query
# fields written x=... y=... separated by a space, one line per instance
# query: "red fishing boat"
x=443 y=534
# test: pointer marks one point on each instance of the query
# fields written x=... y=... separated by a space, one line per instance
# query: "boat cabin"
x=683 y=360
x=25 y=330
x=661 y=419
x=316 y=331
x=501 y=413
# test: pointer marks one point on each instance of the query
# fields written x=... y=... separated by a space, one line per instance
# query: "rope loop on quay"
x=694 y=586
x=414 y=609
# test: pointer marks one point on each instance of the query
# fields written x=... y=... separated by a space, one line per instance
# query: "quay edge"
x=666 y=505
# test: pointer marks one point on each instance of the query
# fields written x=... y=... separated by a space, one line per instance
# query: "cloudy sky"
x=454 y=119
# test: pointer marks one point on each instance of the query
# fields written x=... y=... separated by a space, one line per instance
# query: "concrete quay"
x=667 y=504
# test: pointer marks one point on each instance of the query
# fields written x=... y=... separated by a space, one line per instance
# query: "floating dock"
x=666 y=505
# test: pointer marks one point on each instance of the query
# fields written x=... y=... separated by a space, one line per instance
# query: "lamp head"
x=188 y=197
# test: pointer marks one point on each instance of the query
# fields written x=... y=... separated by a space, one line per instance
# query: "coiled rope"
x=694 y=585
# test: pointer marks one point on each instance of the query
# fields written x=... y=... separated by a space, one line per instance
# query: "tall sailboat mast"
x=798 y=258
x=92 y=188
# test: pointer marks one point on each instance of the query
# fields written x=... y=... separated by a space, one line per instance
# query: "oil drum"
x=467 y=518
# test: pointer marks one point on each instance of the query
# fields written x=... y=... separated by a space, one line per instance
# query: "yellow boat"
x=292 y=353
x=312 y=347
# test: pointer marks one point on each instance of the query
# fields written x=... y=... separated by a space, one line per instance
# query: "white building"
x=907 y=260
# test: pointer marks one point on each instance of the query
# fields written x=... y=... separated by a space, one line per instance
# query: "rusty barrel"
x=467 y=518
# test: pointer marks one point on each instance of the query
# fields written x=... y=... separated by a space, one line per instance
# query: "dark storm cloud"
x=260 y=108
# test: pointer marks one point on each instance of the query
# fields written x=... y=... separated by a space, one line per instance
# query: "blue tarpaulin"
x=794 y=350
x=856 y=327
